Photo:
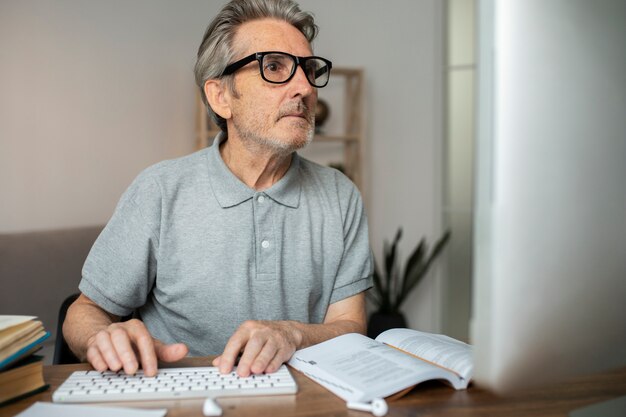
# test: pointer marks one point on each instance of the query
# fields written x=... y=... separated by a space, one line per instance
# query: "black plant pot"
x=379 y=322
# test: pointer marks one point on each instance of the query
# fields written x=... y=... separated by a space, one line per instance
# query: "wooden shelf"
x=351 y=137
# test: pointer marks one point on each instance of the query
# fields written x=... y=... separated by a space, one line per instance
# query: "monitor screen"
x=549 y=296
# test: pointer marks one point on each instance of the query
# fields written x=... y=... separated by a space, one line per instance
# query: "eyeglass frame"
x=258 y=56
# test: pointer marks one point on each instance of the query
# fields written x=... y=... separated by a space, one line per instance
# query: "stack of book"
x=21 y=371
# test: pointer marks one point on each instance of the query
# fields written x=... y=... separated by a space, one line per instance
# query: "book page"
x=13 y=334
x=10 y=321
x=357 y=368
x=437 y=348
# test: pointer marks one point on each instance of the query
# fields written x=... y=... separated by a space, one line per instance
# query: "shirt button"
x=265 y=244
x=261 y=199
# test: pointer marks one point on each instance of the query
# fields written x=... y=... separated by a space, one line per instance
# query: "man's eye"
x=273 y=66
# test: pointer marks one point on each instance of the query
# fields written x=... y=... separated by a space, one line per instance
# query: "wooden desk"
x=426 y=400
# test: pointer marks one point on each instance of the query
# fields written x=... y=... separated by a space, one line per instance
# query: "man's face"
x=279 y=117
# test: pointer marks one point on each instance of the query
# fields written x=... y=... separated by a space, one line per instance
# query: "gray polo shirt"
x=197 y=252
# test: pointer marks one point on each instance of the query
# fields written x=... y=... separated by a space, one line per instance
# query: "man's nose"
x=301 y=83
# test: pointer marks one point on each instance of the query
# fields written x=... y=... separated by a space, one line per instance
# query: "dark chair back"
x=62 y=353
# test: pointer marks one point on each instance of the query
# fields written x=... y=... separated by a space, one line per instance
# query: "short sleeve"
x=356 y=267
x=120 y=270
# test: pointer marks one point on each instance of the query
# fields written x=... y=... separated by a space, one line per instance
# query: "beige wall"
x=93 y=92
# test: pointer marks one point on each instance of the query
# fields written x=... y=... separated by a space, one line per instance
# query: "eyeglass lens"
x=278 y=68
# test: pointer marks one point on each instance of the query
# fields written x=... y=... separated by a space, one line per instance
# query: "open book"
x=357 y=368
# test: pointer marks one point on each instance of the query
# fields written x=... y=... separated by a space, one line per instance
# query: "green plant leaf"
x=390 y=255
x=379 y=288
x=420 y=272
x=389 y=280
x=393 y=287
x=415 y=260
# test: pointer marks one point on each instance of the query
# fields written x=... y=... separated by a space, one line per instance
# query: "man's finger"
x=236 y=342
x=106 y=349
x=280 y=358
x=95 y=359
x=216 y=361
x=264 y=357
x=170 y=353
x=143 y=342
x=250 y=353
x=122 y=345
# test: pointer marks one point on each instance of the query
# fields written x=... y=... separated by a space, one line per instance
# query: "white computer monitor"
x=549 y=295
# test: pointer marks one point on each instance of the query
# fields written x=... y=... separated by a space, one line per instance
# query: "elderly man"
x=243 y=248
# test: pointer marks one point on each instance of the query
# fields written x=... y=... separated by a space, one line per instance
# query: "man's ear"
x=216 y=95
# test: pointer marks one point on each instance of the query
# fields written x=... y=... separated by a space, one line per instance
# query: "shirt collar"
x=287 y=190
x=229 y=191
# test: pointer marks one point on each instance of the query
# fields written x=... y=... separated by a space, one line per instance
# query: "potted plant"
x=392 y=287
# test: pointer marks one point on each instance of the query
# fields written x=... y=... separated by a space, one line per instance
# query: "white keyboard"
x=170 y=383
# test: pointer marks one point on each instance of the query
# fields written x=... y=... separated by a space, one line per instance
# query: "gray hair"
x=216 y=50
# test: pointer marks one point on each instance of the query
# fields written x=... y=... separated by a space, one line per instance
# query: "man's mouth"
x=302 y=115
x=297 y=109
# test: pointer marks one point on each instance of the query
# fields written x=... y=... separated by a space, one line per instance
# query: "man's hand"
x=98 y=337
x=123 y=345
x=266 y=345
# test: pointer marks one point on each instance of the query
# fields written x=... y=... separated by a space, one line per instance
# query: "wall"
x=93 y=92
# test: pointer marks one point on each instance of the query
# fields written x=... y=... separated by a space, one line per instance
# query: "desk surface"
x=429 y=399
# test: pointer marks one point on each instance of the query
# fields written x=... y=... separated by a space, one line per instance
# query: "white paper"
x=10 y=321
x=41 y=409
x=437 y=348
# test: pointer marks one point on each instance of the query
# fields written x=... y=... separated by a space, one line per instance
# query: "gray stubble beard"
x=256 y=142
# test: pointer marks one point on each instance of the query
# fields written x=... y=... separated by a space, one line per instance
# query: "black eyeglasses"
x=280 y=67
